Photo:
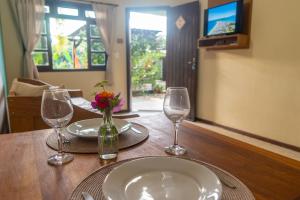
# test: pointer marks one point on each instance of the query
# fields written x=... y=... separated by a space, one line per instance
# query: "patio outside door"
x=146 y=51
x=182 y=52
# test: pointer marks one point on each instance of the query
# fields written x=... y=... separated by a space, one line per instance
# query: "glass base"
x=108 y=156
x=175 y=150
x=60 y=159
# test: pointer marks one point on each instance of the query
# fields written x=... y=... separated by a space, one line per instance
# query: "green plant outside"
x=66 y=47
x=147 y=53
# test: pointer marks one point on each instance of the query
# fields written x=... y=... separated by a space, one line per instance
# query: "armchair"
x=25 y=111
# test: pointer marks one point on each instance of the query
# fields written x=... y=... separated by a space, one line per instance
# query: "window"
x=70 y=39
x=40 y=55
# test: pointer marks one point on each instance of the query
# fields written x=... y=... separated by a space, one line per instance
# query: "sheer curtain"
x=105 y=19
x=29 y=16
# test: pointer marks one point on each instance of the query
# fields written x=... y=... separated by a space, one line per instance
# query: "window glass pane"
x=94 y=31
x=42 y=44
x=98 y=59
x=46 y=9
x=40 y=58
x=44 y=30
x=69 y=44
x=67 y=11
x=97 y=45
x=90 y=14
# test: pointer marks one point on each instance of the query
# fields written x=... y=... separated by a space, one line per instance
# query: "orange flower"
x=106 y=94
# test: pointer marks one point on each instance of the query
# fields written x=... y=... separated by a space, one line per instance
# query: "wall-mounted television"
x=224 y=19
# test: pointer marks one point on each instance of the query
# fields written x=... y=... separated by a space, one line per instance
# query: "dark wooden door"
x=182 y=52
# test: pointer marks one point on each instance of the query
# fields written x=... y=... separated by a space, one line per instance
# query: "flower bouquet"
x=107 y=103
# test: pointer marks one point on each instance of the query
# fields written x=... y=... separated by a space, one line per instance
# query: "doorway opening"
x=147 y=33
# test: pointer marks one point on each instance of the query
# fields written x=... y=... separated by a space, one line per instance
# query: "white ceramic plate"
x=89 y=128
x=162 y=178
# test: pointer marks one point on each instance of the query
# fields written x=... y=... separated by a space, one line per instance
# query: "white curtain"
x=105 y=19
x=29 y=16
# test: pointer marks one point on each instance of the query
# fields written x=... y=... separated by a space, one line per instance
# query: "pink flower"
x=118 y=107
x=97 y=98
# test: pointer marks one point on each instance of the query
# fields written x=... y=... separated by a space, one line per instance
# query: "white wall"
x=257 y=89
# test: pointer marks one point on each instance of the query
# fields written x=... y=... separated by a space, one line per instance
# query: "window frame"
x=53 y=5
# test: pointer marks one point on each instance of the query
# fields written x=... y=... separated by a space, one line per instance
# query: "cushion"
x=25 y=89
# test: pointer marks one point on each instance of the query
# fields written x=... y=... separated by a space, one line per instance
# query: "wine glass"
x=57 y=111
x=176 y=108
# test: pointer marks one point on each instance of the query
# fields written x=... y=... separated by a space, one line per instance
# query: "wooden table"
x=25 y=174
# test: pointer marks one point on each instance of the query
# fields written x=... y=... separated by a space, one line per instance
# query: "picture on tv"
x=222 y=19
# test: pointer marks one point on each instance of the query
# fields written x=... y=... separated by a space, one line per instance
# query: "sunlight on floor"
x=151 y=102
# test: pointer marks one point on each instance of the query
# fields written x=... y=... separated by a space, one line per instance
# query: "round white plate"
x=89 y=128
x=161 y=178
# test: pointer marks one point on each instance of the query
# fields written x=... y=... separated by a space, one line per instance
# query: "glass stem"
x=60 y=141
x=176 y=127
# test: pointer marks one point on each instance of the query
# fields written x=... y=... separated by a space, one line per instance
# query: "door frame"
x=128 y=66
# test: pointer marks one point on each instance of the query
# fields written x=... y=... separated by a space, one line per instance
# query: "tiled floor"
x=152 y=102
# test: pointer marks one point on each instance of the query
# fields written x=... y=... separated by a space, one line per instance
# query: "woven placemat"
x=81 y=145
x=93 y=184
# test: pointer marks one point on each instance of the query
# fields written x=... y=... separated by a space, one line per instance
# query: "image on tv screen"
x=222 y=19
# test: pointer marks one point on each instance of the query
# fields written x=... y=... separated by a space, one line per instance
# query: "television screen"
x=222 y=19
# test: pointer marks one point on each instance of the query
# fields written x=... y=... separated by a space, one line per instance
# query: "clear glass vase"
x=108 y=140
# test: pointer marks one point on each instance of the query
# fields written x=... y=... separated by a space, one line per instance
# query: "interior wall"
x=257 y=89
